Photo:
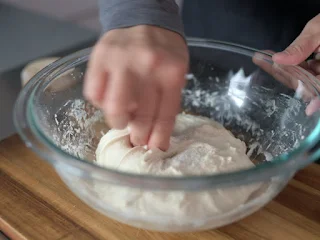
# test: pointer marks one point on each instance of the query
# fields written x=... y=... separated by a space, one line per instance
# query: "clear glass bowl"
x=260 y=102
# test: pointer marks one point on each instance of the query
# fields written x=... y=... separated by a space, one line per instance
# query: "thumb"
x=298 y=51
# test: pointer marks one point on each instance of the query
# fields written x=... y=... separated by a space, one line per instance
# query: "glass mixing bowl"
x=260 y=102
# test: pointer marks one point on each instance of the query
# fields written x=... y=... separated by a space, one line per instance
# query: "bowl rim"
x=34 y=138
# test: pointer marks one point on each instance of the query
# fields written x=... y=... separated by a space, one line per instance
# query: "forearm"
x=127 y=13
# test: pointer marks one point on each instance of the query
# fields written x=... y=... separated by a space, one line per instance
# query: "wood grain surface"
x=35 y=204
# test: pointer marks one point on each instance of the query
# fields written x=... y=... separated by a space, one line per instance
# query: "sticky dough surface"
x=198 y=146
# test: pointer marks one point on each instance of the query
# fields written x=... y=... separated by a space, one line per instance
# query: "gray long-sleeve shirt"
x=263 y=24
x=126 y=13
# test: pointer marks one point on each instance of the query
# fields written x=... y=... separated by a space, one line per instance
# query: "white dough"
x=198 y=146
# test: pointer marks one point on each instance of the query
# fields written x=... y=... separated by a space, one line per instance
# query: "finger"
x=119 y=98
x=96 y=77
x=164 y=123
x=142 y=121
x=269 y=51
x=303 y=46
x=314 y=65
x=298 y=51
x=257 y=60
x=274 y=70
x=304 y=65
x=313 y=106
x=262 y=60
x=282 y=74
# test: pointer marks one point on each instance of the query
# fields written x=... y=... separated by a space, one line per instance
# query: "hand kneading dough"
x=198 y=146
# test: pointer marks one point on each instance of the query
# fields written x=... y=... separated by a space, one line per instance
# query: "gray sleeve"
x=127 y=13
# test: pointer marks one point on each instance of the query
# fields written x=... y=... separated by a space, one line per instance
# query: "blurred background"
x=33 y=29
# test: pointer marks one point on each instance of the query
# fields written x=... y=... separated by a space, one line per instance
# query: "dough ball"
x=198 y=146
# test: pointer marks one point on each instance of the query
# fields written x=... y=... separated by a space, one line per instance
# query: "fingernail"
x=308 y=111
x=313 y=106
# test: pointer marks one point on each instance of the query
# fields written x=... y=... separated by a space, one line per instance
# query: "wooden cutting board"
x=35 y=204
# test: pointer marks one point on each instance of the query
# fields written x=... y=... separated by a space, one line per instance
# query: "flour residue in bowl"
x=79 y=128
x=270 y=123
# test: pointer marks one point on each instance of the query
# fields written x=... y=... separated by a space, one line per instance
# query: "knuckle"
x=107 y=48
x=296 y=49
x=312 y=26
x=144 y=118
x=177 y=79
x=116 y=50
x=98 y=50
x=165 y=122
x=178 y=69
x=150 y=57
x=97 y=55
x=174 y=84
x=317 y=37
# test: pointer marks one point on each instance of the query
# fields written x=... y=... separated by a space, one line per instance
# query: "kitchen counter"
x=35 y=204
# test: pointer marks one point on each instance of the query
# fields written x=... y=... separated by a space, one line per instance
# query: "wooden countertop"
x=35 y=204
